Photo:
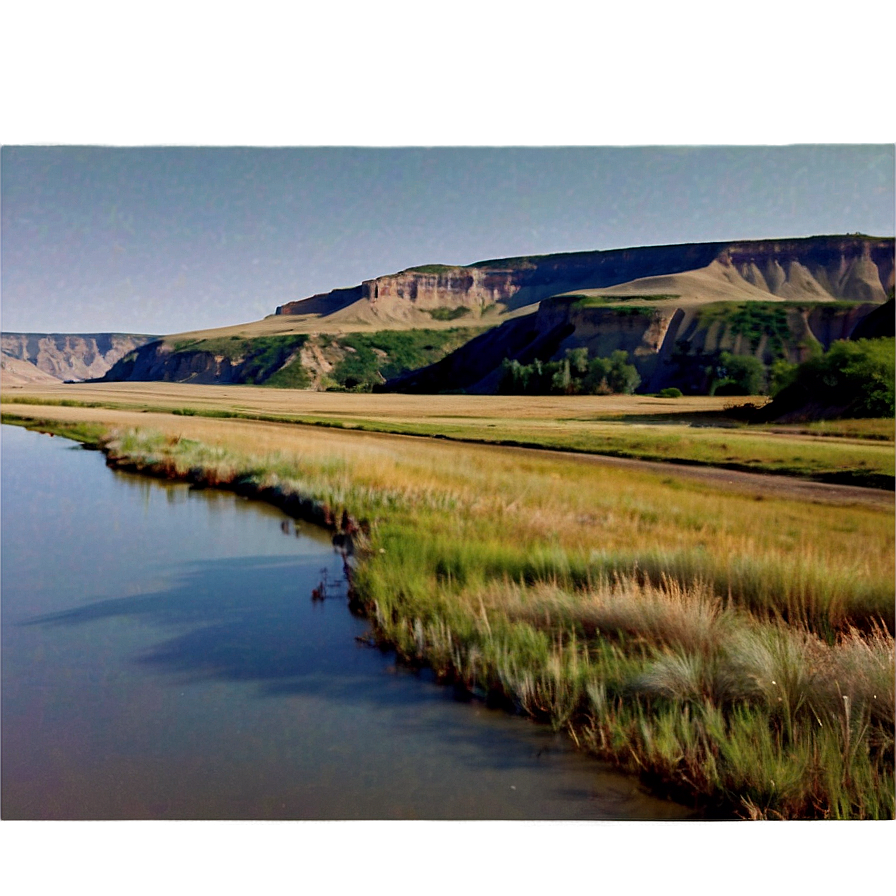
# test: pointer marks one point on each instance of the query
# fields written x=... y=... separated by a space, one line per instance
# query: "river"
x=162 y=659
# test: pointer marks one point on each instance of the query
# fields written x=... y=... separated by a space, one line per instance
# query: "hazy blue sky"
x=388 y=135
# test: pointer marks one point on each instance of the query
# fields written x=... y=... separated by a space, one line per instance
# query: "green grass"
x=615 y=304
x=448 y=313
x=90 y=434
x=853 y=452
x=260 y=358
x=373 y=358
x=754 y=320
x=54 y=402
x=869 y=464
x=431 y=269
x=290 y=376
x=588 y=300
x=878 y=430
x=632 y=310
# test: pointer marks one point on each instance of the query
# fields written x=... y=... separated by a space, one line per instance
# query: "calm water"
x=162 y=658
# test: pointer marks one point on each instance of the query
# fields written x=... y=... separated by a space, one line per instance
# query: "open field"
x=732 y=644
x=691 y=430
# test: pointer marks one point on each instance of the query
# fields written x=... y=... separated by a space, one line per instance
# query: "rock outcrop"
x=71 y=356
x=672 y=308
x=855 y=268
x=15 y=372
x=159 y=361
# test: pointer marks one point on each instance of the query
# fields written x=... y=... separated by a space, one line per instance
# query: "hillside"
x=669 y=344
x=343 y=361
x=15 y=372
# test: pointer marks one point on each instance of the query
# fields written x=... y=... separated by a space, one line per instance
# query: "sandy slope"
x=14 y=372
x=716 y=282
x=356 y=318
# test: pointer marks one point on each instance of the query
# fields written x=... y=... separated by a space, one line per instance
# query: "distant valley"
x=27 y=358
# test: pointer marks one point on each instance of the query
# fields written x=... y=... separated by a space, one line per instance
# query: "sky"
x=168 y=167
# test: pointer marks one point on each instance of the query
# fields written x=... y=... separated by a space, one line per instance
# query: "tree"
x=854 y=379
x=780 y=375
x=738 y=375
x=578 y=361
x=575 y=373
x=623 y=378
x=561 y=381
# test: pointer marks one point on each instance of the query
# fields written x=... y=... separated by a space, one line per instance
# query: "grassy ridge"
x=731 y=649
x=585 y=300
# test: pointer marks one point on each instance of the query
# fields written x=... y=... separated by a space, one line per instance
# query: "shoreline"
x=317 y=513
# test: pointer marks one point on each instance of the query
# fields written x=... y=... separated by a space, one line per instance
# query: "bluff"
x=669 y=344
x=358 y=360
x=856 y=268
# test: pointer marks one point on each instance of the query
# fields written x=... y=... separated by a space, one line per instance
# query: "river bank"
x=707 y=645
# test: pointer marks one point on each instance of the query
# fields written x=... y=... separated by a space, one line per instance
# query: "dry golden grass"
x=482 y=409
x=631 y=427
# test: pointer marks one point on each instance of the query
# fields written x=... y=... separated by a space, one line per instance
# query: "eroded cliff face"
x=158 y=361
x=164 y=362
x=856 y=269
x=851 y=268
x=71 y=356
x=669 y=344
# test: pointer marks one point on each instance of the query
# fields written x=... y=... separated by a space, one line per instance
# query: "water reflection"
x=162 y=658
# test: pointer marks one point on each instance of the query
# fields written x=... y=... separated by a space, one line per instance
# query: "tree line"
x=854 y=376
x=575 y=374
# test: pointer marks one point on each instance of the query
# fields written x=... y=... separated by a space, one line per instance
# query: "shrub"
x=737 y=375
x=781 y=374
x=373 y=358
x=448 y=313
x=853 y=379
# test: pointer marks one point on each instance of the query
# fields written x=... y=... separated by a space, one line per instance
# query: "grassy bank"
x=735 y=651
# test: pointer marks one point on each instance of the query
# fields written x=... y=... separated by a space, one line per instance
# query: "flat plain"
x=691 y=430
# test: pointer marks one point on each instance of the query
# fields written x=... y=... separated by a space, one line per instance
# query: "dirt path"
x=761 y=484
